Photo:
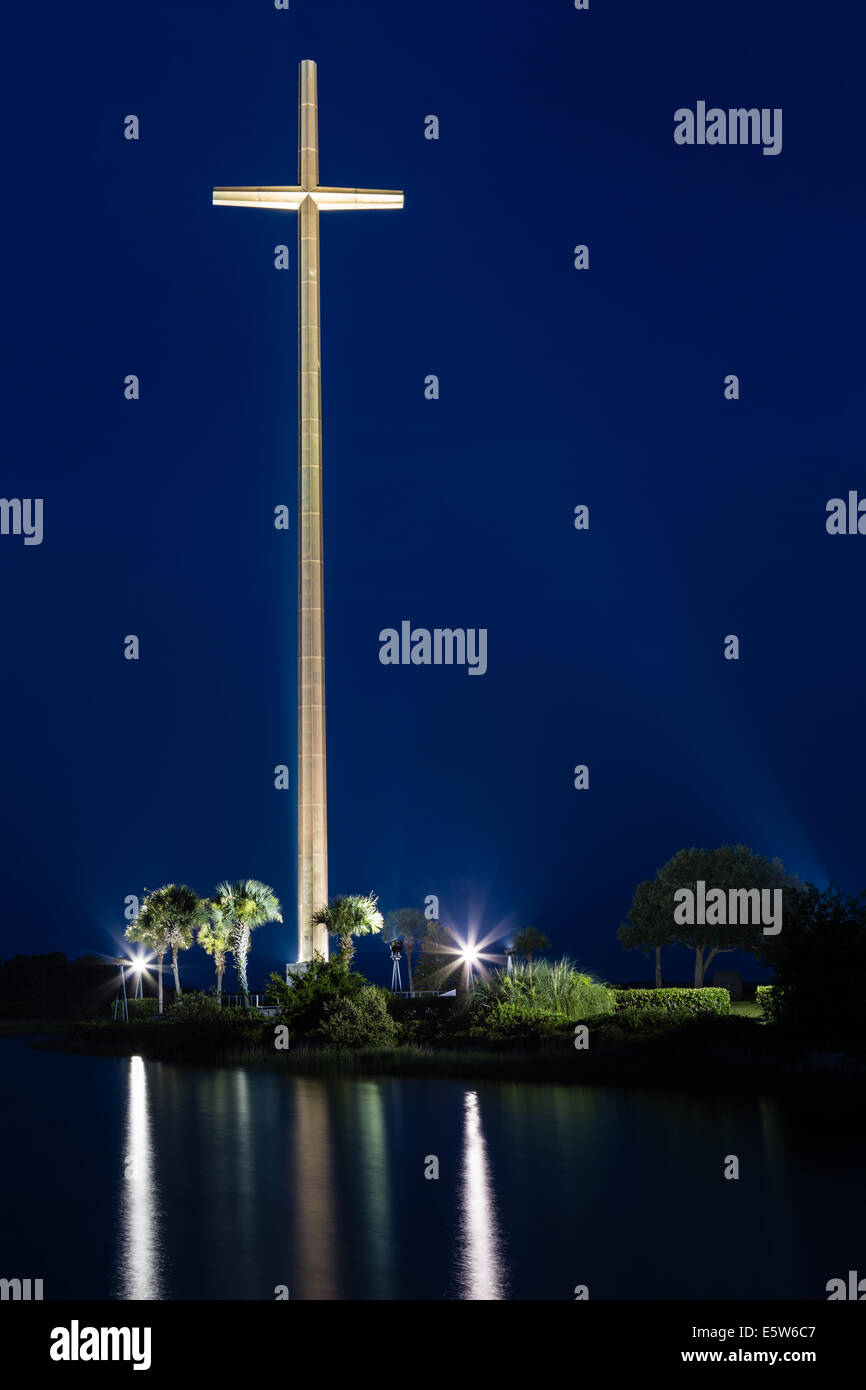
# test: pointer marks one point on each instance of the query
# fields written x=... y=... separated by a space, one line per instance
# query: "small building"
x=731 y=980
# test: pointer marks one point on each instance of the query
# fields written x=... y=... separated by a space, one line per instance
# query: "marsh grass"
x=552 y=992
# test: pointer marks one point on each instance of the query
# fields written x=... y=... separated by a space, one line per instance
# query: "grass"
x=744 y=1008
x=554 y=990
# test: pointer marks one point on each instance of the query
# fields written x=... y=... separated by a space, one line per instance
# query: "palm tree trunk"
x=658 y=967
x=159 y=960
x=347 y=947
x=220 y=971
x=174 y=968
x=409 y=950
x=242 y=946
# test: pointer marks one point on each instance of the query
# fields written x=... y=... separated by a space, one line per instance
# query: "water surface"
x=133 y=1179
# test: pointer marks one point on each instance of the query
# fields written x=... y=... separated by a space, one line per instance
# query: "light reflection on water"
x=139 y=1261
x=314 y=1210
x=321 y=1194
x=238 y=1180
x=481 y=1274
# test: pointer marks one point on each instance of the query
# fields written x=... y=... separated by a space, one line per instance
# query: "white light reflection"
x=244 y=1186
x=140 y=1263
x=481 y=1273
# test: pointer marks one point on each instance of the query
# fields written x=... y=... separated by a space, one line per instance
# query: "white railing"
x=415 y=993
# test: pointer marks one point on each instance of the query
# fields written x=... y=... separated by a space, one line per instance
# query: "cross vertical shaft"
x=307 y=198
x=312 y=789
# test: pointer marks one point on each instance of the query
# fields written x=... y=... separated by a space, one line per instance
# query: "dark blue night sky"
x=558 y=387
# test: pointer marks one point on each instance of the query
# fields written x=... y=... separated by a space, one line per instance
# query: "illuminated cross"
x=308 y=198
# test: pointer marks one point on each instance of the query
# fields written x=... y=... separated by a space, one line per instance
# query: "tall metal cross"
x=308 y=198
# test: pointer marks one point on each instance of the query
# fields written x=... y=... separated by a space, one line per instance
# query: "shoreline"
x=652 y=1064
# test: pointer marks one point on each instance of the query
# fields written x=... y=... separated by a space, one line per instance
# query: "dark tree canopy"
x=819 y=959
x=652 y=920
x=529 y=942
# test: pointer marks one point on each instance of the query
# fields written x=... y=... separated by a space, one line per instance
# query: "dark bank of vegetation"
x=555 y=1025
x=45 y=991
x=538 y=1020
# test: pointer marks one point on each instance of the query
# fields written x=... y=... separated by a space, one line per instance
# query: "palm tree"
x=149 y=929
x=528 y=941
x=178 y=911
x=245 y=905
x=215 y=937
x=348 y=917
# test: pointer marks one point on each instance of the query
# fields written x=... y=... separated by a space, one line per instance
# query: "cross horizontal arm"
x=285 y=199
x=326 y=199
x=349 y=199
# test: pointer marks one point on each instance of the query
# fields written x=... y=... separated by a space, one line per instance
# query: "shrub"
x=195 y=1007
x=635 y=1007
x=551 y=990
x=507 y=1021
x=430 y=1010
x=360 y=1019
x=303 y=1002
x=141 y=1009
x=198 y=1026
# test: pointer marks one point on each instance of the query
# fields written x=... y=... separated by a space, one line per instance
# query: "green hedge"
x=671 y=1004
x=770 y=998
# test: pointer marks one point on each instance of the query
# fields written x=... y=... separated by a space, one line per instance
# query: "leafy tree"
x=348 y=917
x=215 y=937
x=438 y=956
x=408 y=923
x=529 y=942
x=245 y=905
x=150 y=929
x=651 y=922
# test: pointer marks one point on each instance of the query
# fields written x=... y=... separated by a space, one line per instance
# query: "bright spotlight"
x=469 y=955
